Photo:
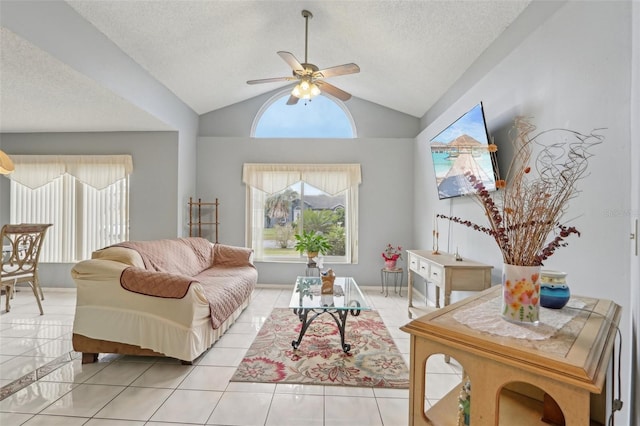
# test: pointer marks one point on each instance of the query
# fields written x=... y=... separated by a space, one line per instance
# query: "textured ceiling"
x=409 y=52
x=41 y=94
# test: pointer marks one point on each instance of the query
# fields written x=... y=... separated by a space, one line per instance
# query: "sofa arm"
x=98 y=270
x=123 y=255
x=229 y=256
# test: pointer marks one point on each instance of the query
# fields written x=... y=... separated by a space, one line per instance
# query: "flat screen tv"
x=463 y=147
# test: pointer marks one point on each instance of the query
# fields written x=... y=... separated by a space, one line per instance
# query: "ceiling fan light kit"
x=310 y=78
x=305 y=90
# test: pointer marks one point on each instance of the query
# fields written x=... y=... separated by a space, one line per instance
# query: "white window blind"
x=86 y=198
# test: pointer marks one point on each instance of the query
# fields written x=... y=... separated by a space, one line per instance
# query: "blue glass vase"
x=554 y=291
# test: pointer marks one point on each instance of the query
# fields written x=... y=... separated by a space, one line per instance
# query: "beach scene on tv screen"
x=462 y=147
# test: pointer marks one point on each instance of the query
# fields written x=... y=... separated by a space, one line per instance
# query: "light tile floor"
x=129 y=391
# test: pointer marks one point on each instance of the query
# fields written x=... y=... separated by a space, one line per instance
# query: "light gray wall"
x=386 y=214
x=634 y=400
x=574 y=71
x=56 y=28
x=153 y=184
x=383 y=148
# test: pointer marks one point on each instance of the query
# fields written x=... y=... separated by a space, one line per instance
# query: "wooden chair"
x=21 y=246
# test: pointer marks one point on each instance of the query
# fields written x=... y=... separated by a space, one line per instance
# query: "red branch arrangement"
x=525 y=217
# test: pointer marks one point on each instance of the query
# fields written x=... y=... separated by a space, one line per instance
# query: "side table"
x=569 y=367
x=386 y=275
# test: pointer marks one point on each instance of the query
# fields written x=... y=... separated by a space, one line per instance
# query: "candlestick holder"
x=457 y=256
x=436 y=236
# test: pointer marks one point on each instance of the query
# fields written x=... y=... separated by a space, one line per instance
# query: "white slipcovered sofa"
x=171 y=298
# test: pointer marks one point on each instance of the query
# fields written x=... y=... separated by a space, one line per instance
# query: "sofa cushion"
x=229 y=256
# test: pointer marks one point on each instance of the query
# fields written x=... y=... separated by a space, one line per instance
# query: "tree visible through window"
x=287 y=199
x=320 y=117
x=302 y=207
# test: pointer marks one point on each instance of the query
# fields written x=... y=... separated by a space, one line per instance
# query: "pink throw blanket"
x=225 y=272
x=183 y=256
x=153 y=283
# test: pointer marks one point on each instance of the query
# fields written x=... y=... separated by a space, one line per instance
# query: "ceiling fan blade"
x=291 y=60
x=292 y=100
x=337 y=70
x=271 y=80
x=333 y=90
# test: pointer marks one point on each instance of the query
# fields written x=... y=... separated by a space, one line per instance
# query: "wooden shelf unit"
x=195 y=217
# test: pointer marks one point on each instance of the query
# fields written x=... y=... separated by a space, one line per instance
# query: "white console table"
x=446 y=273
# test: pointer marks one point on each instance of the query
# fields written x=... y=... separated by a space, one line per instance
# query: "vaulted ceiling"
x=409 y=52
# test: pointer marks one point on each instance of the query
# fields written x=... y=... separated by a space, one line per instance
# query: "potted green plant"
x=313 y=244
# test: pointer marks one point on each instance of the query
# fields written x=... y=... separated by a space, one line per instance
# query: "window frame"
x=259 y=186
x=286 y=92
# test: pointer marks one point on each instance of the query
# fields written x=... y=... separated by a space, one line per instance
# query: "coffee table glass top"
x=346 y=295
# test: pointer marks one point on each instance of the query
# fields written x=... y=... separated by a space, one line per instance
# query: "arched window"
x=320 y=117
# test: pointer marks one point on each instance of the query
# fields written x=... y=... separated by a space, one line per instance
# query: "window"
x=321 y=116
x=285 y=199
x=86 y=198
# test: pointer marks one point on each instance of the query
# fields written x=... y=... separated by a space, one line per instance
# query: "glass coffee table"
x=309 y=303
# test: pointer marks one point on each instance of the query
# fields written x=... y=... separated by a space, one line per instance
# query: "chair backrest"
x=21 y=246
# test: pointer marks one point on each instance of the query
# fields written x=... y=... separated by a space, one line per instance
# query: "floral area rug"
x=374 y=359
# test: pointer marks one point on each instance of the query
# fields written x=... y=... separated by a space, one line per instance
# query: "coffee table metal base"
x=338 y=315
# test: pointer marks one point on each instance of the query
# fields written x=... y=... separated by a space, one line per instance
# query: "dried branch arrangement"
x=525 y=216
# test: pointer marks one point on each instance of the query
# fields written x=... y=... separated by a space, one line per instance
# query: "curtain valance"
x=98 y=171
x=330 y=178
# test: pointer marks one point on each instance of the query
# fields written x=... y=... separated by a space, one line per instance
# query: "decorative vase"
x=554 y=291
x=521 y=293
x=311 y=263
x=390 y=264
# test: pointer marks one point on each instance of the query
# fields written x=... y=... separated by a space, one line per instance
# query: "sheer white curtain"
x=330 y=178
x=85 y=197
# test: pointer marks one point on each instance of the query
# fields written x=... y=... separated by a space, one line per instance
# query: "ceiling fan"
x=310 y=77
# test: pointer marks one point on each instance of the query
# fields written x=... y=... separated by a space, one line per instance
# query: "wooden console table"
x=446 y=273
x=569 y=366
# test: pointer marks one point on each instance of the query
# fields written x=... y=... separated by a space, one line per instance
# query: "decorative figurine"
x=327 y=281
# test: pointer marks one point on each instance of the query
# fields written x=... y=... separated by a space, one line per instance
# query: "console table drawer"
x=413 y=263
x=435 y=274
x=424 y=268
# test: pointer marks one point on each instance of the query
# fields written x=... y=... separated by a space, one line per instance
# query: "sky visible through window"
x=319 y=117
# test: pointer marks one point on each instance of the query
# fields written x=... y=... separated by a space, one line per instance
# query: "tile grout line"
x=37 y=374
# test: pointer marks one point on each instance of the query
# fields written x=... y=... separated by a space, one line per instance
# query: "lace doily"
x=486 y=317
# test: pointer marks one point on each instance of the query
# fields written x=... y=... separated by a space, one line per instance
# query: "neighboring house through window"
x=285 y=199
x=84 y=197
